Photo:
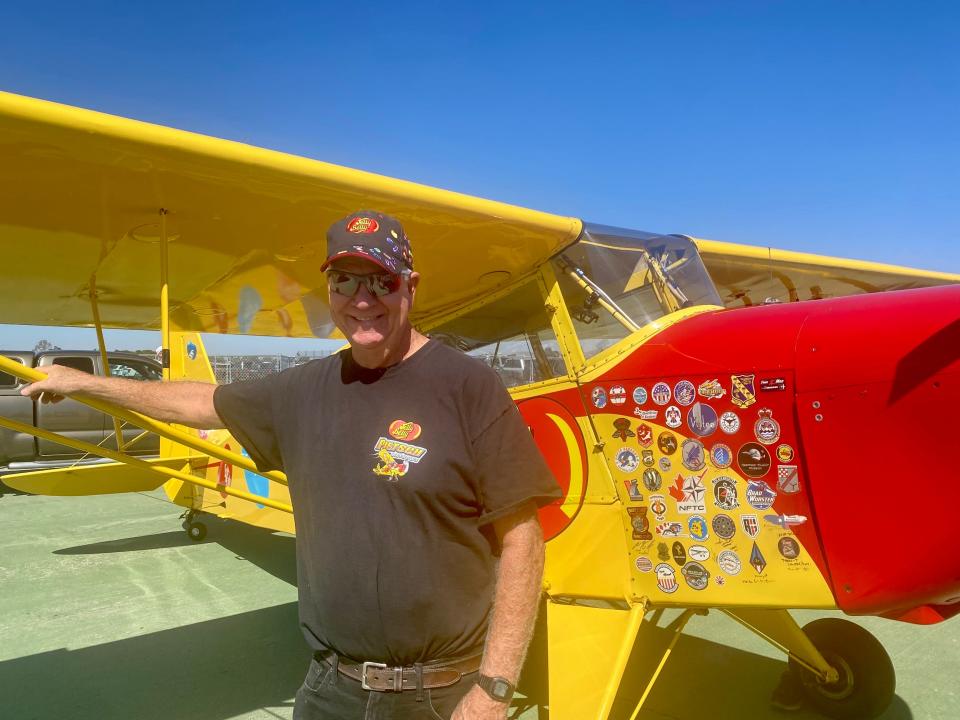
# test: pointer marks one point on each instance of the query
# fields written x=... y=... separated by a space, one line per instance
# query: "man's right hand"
x=60 y=382
x=183 y=402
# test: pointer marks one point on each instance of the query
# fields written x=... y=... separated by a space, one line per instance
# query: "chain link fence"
x=237 y=368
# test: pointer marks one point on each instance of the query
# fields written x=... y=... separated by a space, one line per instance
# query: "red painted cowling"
x=878 y=467
x=878 y=400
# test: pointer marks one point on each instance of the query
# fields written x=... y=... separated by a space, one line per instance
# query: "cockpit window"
x=512 y=334
x=615 y=281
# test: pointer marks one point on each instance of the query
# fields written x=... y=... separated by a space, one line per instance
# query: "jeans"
x=328 y=695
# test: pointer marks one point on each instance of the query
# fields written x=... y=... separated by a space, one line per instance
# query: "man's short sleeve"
x=246 y=408
x=512 y=471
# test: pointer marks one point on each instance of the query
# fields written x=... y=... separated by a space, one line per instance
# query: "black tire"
x=197 y=531
x=867 y=678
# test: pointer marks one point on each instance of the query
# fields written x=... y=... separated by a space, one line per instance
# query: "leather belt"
x=384 y=678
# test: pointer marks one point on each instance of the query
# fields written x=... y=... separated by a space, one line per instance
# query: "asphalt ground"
x=108 y=610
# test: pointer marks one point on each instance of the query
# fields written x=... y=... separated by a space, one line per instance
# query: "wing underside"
x=81 y=195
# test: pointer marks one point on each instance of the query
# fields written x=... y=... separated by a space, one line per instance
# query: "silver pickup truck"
x=20 y=452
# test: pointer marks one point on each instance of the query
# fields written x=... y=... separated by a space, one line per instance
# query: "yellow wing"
x=81 y=192
x=749 y=275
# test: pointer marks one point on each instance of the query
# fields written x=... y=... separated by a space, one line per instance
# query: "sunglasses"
x=348 y=284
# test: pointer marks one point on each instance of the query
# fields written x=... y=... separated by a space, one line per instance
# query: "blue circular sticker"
x=640 y=395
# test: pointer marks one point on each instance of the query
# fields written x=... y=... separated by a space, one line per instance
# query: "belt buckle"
x=363 y=673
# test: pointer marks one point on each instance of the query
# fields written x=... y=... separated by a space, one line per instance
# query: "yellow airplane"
x=721 y=418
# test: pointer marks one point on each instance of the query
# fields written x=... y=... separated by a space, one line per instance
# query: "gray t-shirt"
x=395 y=475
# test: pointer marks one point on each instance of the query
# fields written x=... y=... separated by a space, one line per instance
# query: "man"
x=414 y=483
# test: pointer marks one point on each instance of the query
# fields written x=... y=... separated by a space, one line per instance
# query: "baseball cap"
x=373 y=236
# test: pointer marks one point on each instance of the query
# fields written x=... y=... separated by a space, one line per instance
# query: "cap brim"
x=357 y=254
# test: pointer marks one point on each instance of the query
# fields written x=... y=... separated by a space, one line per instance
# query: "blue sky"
x=827 y=127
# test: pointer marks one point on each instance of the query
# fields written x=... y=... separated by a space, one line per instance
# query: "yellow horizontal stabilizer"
x=107 y=479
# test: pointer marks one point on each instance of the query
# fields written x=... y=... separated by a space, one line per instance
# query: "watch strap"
x=498 y=688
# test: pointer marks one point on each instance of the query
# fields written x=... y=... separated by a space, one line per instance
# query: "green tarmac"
x=108 y=610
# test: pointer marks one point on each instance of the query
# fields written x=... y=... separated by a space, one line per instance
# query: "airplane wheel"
x=197 y=531
x=867 y=678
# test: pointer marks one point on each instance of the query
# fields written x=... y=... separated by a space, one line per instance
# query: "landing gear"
x=867 y=679
x=196 y=530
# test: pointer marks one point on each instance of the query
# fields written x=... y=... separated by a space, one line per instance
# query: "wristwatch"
x=500 y=689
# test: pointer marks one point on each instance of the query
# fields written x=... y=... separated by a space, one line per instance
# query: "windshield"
x=615 y=281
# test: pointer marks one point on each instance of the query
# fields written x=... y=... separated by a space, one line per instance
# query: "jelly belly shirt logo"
x=396 y=455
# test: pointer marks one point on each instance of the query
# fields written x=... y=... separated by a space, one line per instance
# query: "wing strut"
x=147 y=423
x=117 y=427
x=120 y=457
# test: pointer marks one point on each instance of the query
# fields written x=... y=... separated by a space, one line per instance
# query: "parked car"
x=20 y=451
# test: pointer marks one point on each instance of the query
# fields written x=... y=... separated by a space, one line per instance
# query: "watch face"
x=501 y=688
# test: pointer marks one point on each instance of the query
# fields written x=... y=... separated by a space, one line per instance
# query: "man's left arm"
x=516 y=599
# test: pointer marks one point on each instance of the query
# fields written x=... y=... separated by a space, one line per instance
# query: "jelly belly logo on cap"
x=363 y=226
x=404 y=430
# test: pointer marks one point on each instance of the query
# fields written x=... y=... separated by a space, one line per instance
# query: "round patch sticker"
x=652 y=480
x=666 y=578
x=784 y=453
x=729 y=562
x=640 y=395
x=753 y=459
x=725 y=493
x=696 y=575
x=665 y=464
x=766 y=428
x=660 y=393
x=599 y=396
x=618 y=395
x=627 y=460
x=721 y=456
x=699 y=553
x=684 y=392
x=679 y=553
x=667 y=442
x=702 y=419
x=724 y=527
x=789 y=548
x=643 y=564
x=729 y=422
x=673 y=417
x=698 y=528
x=692 y=455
